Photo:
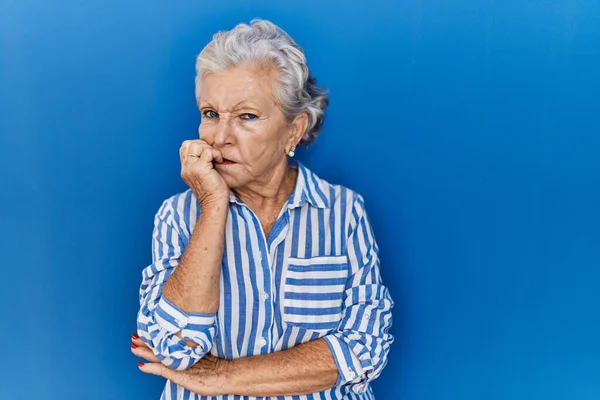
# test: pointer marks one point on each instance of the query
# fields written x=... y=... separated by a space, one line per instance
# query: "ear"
x=298 y=129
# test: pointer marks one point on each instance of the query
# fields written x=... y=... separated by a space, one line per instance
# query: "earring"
x=292 y=152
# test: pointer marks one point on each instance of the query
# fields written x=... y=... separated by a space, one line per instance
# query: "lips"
x=227 y=161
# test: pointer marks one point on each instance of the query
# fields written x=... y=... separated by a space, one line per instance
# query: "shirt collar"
x=309 y=187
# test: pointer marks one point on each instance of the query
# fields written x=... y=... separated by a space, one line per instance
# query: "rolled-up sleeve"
x=361 y=343
x=159 y=320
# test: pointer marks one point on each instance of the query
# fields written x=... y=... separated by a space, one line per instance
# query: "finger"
x=207 y=155
x=145 y=353
x=183 y=150
x=138 y=342
x=161 y=370
x=195 y=151
x=217 y=156
x=153 y=368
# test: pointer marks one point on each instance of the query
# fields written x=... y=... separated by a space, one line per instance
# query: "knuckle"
x=148 y=354
x=162 y=369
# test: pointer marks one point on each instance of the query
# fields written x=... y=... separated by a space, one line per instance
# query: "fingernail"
x=140 y=364
x=134 y=336
x=134 y=346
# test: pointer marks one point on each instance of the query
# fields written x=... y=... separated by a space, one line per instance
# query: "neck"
x=271 y=193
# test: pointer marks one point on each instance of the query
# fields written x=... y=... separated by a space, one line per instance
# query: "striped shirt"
x=315 y=276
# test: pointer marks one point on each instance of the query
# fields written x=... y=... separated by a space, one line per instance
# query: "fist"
x=198 y=171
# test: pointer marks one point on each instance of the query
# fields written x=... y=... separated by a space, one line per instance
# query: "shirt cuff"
x=193 y=326
x=348 y=364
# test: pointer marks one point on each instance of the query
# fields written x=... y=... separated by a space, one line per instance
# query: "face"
x=241 y=118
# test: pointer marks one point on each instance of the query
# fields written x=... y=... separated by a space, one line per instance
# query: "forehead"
x=229 y=87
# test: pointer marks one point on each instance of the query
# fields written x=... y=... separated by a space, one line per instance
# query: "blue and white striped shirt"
x=315 y=276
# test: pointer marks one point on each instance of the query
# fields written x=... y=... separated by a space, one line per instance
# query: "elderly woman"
x=265 y=278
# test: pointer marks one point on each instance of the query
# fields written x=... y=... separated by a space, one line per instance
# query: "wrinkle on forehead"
x=251 y=84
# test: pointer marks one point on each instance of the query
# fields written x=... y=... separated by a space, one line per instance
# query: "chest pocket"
x=313 y=292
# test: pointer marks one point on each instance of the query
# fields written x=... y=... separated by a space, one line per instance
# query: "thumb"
x=160 y=369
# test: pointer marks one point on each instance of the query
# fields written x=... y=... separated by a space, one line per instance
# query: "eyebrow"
x=252 y=104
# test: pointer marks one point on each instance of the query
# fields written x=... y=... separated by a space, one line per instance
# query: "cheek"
x=206 y=132
x=250 y=143
x=259 y=145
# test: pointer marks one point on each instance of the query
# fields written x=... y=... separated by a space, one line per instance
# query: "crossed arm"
x=304 y=369
x=176 y=331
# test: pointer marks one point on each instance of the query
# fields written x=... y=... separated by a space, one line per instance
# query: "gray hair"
x=296 y=90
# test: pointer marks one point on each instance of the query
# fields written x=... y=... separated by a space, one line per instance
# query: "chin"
x=232 y=182
x=235 y=178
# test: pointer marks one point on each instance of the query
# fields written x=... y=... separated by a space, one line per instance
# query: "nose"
x=223 y=133
x=220 y=135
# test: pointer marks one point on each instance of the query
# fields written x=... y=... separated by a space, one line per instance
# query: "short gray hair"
x=262 y=41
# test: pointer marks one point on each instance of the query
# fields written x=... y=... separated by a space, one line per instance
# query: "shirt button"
x=180 y=324
x=351 y=374
x=263 y=342
x=265 y=295
x=367 y=316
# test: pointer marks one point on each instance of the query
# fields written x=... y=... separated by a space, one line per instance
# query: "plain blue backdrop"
x=471 y=127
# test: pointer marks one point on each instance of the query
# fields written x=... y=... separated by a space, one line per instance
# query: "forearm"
x=194 y=284
x=304 y=369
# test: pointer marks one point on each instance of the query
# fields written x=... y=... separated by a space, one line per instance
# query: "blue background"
x=471 y=127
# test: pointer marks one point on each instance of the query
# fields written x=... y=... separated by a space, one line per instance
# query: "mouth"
x=226 y=162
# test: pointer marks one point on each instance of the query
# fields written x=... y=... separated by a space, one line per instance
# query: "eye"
x=248 y=117
x=209 y=114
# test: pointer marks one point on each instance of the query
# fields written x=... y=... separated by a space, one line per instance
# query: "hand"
x=198 y=171
x=206 y=377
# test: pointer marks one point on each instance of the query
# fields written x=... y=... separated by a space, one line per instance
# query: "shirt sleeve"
x=361 y=343
x=158 y=319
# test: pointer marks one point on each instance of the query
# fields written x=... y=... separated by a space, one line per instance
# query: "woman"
x=265 y=278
